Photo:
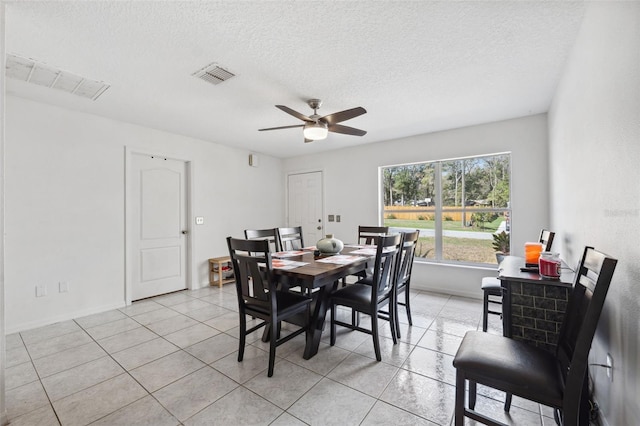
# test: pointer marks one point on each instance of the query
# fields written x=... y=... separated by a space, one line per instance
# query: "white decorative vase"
x=329 y=245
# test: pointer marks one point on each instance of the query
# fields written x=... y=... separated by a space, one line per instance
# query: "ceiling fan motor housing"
x=314 y=104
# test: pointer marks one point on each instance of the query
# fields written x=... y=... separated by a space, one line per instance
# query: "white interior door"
x=159 y=225
x=304 y=193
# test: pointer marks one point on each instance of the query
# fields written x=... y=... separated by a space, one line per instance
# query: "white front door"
x=158 y=225
x=304 y=192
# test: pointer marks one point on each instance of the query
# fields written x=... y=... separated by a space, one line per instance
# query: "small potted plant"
x=501 y=245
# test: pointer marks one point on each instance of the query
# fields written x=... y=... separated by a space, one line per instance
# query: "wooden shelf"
x=215 y=271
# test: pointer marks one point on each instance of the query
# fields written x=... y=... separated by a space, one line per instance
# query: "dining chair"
x=558 y=380
x=259 y=297
x=492 y=289
x=290 y=238
x=404 y=268
x=369 y=298
x=368 y=234
x=271 y=235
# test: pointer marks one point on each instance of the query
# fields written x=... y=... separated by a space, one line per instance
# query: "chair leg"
x=393 y=317
x=485 y=310
x=272 y=346
x=460 y=391
x=332 y=340
x=374 y=333
x=355 y=318
x=407 y=304
x=393 y=320
x=243 y=335
x=473 y=386
x=507 y=402
x=396 y=318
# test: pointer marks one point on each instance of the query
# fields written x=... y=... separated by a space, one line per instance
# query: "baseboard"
x=67 y=316
x=447 y=291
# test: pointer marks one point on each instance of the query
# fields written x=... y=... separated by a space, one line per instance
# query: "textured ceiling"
x=416 y=66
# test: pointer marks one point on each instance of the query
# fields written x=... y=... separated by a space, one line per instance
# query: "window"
x=457 y=204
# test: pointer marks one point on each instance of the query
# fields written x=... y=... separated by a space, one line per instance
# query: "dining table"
x=318 y=275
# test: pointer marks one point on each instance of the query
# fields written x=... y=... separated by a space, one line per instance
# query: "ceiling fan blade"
x=282 y=127
x=339 y=128
x=347 y=114
x=296 y=114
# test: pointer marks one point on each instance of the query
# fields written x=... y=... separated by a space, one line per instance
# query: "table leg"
x=314 y=333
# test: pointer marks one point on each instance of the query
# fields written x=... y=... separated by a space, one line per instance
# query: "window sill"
x=461 y=265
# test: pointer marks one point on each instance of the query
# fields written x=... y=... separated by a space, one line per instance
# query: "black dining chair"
x=290 y=238
x=259 y=297
x=368 y=234
x=558 y=380
x=369 y=298
x=271 y=235
x=403 y=270
x=492 y=289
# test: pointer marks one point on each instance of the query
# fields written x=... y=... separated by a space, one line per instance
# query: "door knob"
x=319 y=228
x=185 y=232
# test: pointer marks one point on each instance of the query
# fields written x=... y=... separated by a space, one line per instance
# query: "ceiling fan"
x=316 y=127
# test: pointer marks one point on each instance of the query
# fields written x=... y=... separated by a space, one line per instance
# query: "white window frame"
x=439 y=211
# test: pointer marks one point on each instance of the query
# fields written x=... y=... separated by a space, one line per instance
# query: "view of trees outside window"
x=456 y=204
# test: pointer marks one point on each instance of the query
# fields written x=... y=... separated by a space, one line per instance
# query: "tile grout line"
x=440 y=309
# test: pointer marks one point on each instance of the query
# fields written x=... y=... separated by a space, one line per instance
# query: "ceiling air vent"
x=214 y=74
x=32 y=71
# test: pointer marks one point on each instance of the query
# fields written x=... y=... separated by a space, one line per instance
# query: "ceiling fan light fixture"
x=315 y=131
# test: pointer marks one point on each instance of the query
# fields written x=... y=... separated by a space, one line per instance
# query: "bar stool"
x=490 y=287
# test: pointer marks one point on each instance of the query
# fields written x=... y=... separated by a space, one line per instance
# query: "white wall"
x=594 y=127
x=351 y=186
x=3 y=411
x=65 y=221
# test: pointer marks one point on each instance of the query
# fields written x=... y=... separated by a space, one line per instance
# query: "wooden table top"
x=317 y=274
x=509 y=270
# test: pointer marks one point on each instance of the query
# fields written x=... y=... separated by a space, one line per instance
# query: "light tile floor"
x=172 y=360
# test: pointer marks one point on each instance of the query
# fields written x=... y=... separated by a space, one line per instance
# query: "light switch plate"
x=199 y=220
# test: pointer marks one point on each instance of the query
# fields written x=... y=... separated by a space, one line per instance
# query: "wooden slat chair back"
x=367 y=234
x=271 y=235
x=290 y=238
